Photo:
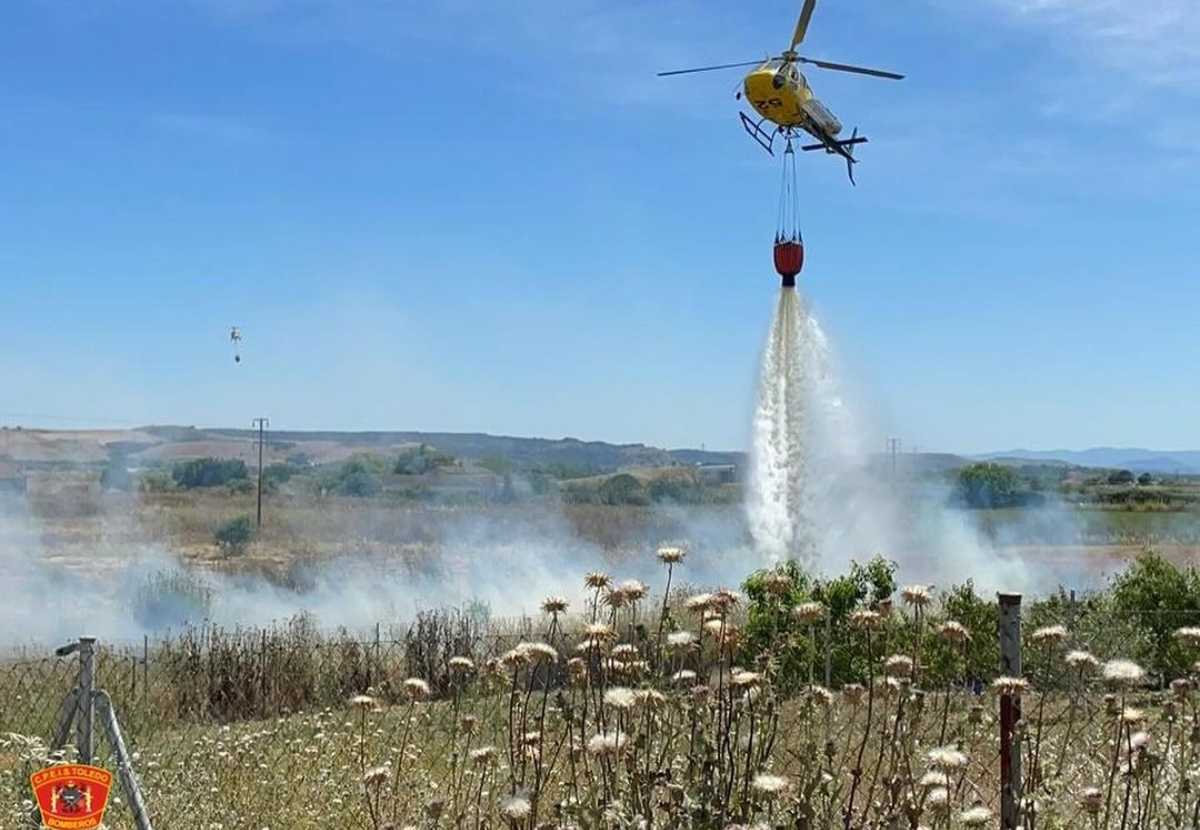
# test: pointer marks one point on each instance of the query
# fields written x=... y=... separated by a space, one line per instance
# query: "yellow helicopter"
x=779 y=93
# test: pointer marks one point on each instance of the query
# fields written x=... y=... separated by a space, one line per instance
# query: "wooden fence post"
x=1010 y=713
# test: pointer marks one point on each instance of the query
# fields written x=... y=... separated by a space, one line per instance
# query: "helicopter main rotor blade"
x=845 y=67
x=711 y=68
x=802 y=24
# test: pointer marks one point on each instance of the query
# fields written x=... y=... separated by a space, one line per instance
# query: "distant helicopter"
x=781 y=94
x=235 y=337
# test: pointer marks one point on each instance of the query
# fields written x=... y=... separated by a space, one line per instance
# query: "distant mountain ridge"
x=1137 y=459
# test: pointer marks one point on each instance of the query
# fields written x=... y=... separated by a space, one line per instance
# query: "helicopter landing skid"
x=754 y=129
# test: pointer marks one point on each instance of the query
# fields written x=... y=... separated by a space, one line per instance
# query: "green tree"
x=988 y=485
x=1158 y=597
x=1121 y=477
x=623 y=489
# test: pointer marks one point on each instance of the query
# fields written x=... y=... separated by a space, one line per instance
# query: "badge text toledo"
x=71 y=796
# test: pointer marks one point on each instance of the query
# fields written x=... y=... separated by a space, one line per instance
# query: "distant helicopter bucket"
x=789 y=242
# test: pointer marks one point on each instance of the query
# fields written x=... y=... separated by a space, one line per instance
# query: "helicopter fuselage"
x=779 y=92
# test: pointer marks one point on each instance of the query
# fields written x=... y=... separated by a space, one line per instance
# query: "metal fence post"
x=1010 y=713
x=84 y=726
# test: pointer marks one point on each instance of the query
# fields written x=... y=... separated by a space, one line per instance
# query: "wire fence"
x=259 y=727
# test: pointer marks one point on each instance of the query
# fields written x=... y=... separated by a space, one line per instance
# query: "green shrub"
x=770 y=626
x=235 y=534
x=208 y=472
x=359 y=483
x=1157 y=597
x=424 y=458
x=156 y=481
x=241 y=486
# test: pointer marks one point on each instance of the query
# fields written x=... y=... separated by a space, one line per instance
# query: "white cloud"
x=1156 y=41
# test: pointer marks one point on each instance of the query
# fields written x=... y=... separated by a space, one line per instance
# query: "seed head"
x=514 y=658
x=461 y=665
x=1011 y=686
x=625 y=652
x=1131 y=715
x=977 y=816
x=363 y=702
x=938 y=799
x=683 y=676
x=1181 y=687
x=865 y=619
x=725 y=599
x=633 y=589
x=515 y=807
x=819 y=695
x=596 y=579
x=618 y=697
x=1050 y=635
x=538 y=652
x=898 y=665
x=807 y=613
x=954 y=632
x=915 y=595
x=777 y=583
x=598 y=632
x=1092 y=799
x=554 y=605
x=483 y=755
x=606 y=744
x=375 y=776
x=769 y=785
x=417 y=688
x=745 y=679
x=1188 y=635
x=1081 y=660
x=680 y=639
x=934 y=778
x=946 y=758
x=698 y=603
x=1123 y=672
x=670 y=554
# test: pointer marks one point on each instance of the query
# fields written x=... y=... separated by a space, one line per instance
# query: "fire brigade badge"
x=71 y=796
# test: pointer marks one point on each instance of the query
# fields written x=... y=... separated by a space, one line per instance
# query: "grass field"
x=616 y=709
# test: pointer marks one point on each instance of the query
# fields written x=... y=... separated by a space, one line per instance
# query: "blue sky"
x=494 y=217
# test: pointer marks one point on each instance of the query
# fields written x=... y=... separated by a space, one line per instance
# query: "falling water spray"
x=792 y=414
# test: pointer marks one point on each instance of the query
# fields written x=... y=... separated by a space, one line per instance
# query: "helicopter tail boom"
x=843 y=147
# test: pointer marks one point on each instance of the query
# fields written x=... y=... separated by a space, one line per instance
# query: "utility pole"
x=261 y=423
x=893 y=450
